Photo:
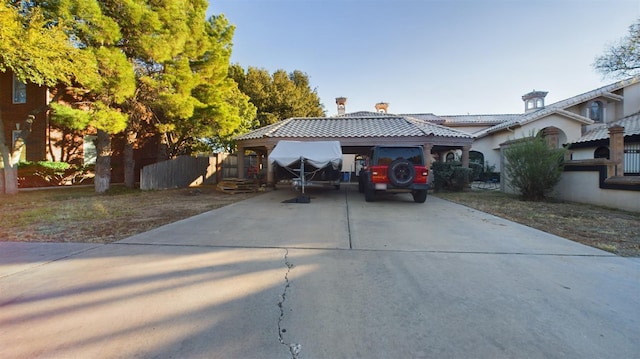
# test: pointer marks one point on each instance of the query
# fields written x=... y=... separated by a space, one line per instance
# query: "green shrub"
x=477 y=169
x=49 y=173
x=533 y=167
x=450 y=176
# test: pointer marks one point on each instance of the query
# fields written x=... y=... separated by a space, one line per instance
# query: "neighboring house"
x=48 y=142
x=17 y=101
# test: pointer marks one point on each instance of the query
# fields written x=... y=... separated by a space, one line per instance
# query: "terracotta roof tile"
x=360 y=124
x=631 y=126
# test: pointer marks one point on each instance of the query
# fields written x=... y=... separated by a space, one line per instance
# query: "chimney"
x=382 y=107
x=341 y=102
x=534 y=101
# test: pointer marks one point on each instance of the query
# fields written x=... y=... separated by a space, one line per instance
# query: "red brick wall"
x=17 y=113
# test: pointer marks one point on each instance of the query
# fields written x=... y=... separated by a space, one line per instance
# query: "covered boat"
x=307 y=163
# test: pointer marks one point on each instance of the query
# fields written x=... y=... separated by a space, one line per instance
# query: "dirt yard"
x=80 y=215
x=608 y=229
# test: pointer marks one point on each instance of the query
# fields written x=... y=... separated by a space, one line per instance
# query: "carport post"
x=240 y=162
x=270 y=181
x=302 y=176
x=427 y=155
x=465 y=156
x=427 y=147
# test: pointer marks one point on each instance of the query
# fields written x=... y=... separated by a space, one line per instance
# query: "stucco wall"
x=491 y=154
x=631 y=103
x=584 y=187
x=490 y=145
x=582 y=153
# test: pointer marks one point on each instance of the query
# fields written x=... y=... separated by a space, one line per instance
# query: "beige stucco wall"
x=490 y=145
x=491 y=152
x=584 y=187
x=631 y=103
x=582 y=154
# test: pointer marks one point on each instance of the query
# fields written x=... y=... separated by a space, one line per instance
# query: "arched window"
x=601 y=152
x=596 y=111
x=450 y=157
x=476 y=157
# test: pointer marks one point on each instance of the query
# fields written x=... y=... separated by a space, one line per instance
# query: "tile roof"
x=631 y=126
x=480 y=119
x=359 y=124
x=559 y=107
x=425 y=117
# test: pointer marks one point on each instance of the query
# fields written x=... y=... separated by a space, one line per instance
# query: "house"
x=582 y=123
x=357 y=133
x=48 y=142
x=17 y=101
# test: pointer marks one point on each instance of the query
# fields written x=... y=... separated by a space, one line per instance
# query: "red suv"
x=395 y=169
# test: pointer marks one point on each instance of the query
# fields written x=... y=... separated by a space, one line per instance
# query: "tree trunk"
x=103 y=162
x=129 y=162
x=9 y=171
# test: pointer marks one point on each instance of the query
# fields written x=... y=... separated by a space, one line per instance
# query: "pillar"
x=465 y=156
x=240 y=162
x=616 y=148
x=270 y=179
x=428 y=159
x=551 y=135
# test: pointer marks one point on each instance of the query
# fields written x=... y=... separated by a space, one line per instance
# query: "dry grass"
x=81 y=215
x=605 y=228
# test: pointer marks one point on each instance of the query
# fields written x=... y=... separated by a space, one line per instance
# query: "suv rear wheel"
x=419 y=196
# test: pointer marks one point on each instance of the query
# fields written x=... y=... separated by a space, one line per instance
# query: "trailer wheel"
x=369 y=194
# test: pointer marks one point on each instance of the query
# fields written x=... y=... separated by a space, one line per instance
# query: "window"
x=539 y=103
x=450 y=157
x=476 y=157
x=596 y=111
x=90 y=154
x=19 y=91
x=14 y=135
x=601 y=152
x=386 y=155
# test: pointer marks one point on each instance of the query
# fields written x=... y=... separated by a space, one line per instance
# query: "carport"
x=357 y=132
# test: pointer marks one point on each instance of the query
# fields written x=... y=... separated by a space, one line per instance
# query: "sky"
x=452 y=57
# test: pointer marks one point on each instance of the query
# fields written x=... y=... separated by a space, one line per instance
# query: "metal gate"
x=632 y=159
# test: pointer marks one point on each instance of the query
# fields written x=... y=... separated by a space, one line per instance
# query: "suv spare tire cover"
x=401 y=172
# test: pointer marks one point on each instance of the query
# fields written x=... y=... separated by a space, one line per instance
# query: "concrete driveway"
x=335 y=278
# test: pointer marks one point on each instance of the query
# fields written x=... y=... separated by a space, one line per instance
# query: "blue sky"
x=428 y=56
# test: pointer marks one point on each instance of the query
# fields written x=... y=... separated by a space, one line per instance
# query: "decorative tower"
x=341 y=102
x=534 y=100
x=382 y=107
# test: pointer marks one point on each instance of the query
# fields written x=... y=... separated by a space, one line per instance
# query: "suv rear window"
x=386 y=155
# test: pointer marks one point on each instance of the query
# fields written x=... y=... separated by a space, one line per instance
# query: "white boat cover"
x=317 y=153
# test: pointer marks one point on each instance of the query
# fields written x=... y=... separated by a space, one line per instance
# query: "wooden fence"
x=183 y=171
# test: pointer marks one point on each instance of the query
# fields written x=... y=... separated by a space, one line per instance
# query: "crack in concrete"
x=294 y=348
